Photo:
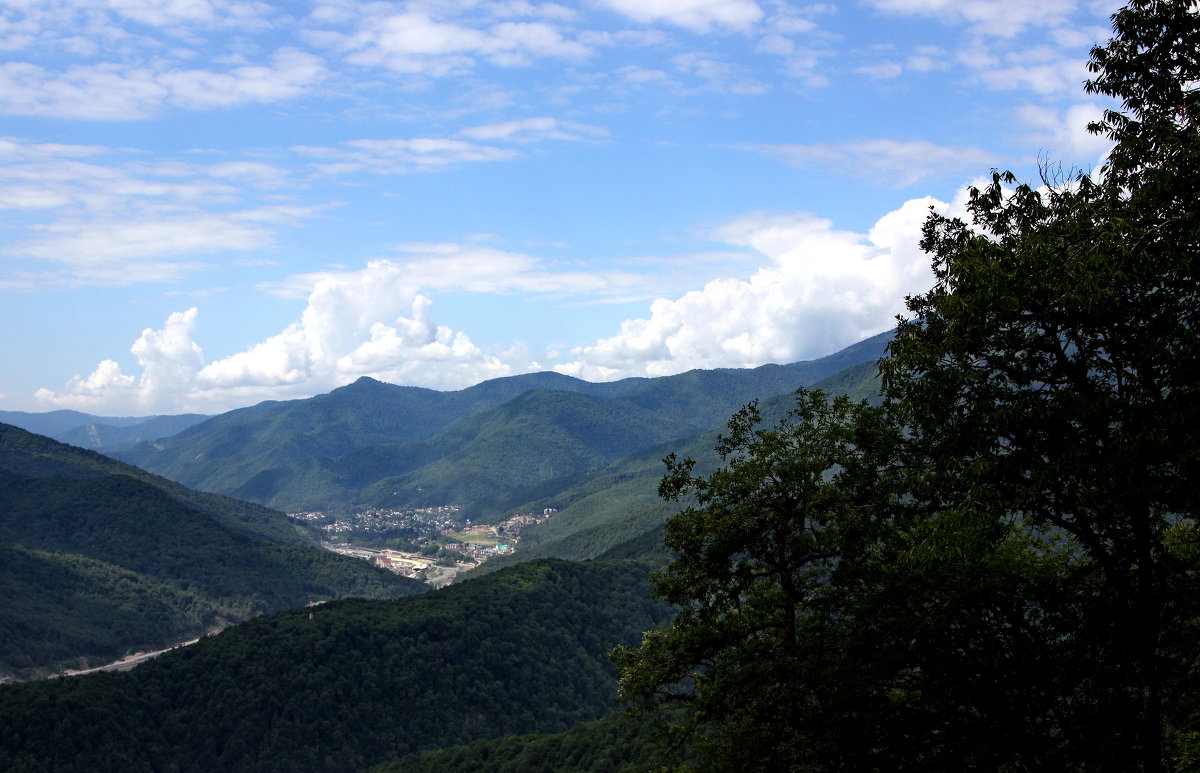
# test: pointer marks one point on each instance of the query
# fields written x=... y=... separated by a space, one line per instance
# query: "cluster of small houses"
x=376 y=519
x=417 y=565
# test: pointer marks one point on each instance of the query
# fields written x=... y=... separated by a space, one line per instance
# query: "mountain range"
x=99 y=557
x=100 y=433
x=489 y=449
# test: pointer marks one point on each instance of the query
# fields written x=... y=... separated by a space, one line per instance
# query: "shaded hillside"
x=28 y=454
x=519 y=651
x=96 y=563
x=486 y=448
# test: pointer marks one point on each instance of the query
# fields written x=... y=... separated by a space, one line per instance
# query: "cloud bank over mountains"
x=820 y=289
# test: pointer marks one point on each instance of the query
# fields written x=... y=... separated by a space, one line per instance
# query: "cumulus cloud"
x=892 y=162
x=823 y=289
x=168 y=358
x=819 y=288
x=376 y=321
x=367 y=323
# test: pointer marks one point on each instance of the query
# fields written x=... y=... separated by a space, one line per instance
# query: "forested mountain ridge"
x=619 y=502
x=358 y=684
x=380 y=444
x=98 y=559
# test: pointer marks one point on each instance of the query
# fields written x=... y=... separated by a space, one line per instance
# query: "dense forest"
x=359 y=683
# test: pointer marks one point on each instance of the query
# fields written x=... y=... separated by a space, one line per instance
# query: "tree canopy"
x=993 y=570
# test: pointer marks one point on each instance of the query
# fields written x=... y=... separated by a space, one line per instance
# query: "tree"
x=1052 y=372
x=830 y=620
x=1019 y=561
x=761 y=541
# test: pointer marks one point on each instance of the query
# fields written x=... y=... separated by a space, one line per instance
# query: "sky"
x=209 y=203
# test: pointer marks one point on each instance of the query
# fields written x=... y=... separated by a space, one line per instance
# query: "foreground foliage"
x=996 y=569
x=615 y=744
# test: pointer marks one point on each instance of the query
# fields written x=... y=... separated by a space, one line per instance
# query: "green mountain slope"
x=360 y=684
x=487 y=448
x=29 y=454
x=98 y=560
x=620 y=502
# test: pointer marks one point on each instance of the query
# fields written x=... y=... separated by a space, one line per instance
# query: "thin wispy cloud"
x=891 y=162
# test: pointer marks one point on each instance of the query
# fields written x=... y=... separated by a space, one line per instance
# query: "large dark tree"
x=1007 y=583
x=1052 y=372
x=755 y=552
x=830 y=620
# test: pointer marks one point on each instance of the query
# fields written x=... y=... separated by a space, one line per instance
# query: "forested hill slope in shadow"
x=361 y=683
x=372 y=443
x=98 y=559
x=38 y=456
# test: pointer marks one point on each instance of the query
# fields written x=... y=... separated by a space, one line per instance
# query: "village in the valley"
x=432 y=544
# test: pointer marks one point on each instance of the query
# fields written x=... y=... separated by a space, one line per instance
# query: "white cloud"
x=824 y=289
x=1063 y=136
x=891 y=162
x=376 y=321
x=169 y=360
x=419 y=154
x=108 y=217
x=415 y=42
x=882 y=70
x=472 y=268
x=399 y=156
x=534 y=130
x=1061 y=76
x=354 y=324
x=695 y=15
x=119 y=92
x=1004 y=18
x=820 y=289
x=718 y=75
x=137 y=249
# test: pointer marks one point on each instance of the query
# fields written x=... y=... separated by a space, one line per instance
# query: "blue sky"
x=209 y=203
